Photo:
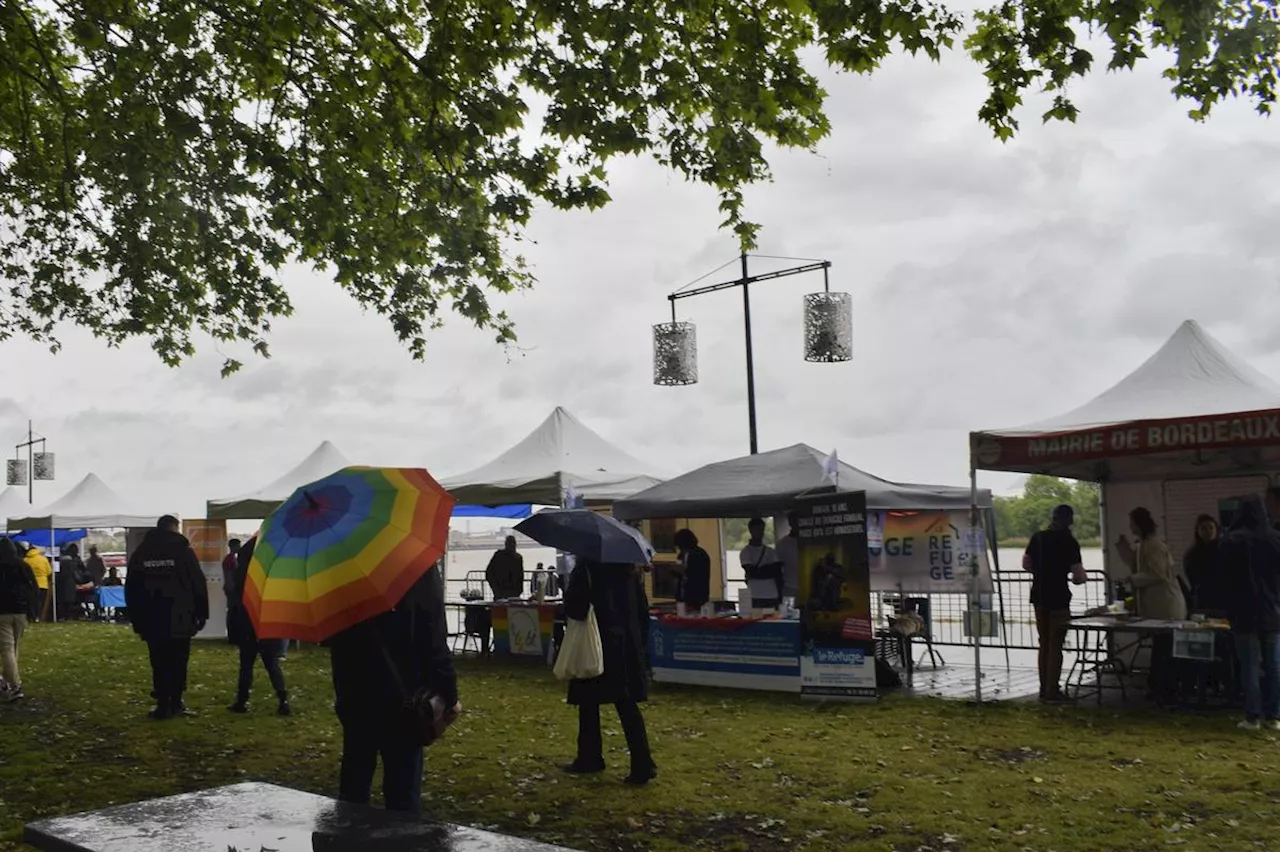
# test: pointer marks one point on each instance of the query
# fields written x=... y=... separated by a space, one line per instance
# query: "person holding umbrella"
x=350 y=561
x=607 y=581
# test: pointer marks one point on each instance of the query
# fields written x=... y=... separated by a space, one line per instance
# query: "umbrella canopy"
x=588 y=535
x=344 y=549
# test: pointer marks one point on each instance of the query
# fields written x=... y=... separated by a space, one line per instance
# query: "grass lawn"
x=738 y=771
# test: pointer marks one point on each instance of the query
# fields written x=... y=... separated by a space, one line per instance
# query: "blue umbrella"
x=588 y=535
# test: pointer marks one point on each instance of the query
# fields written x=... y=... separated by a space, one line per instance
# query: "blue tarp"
x=40 y=538
x=519 y=510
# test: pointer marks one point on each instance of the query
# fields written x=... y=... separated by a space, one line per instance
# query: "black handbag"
x=422 y=712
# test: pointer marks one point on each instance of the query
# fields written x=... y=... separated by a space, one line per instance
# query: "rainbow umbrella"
x=343 y=549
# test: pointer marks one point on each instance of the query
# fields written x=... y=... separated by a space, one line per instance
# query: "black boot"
x=284 y=709
x=163 y=709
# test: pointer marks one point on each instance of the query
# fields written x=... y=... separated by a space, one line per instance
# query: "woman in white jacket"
x=1158 y=592
x=1154 y=576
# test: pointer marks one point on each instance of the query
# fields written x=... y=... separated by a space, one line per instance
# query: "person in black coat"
x=1249 y=568
x=622 y=615
x=1200 y=565
x=375 y=663
x=242 y=634
x=17 y=607
x=168 y=604
x=694 y=588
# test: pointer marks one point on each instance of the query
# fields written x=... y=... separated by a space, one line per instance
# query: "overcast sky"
x=993 y=285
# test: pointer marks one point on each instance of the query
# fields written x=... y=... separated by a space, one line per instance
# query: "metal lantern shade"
x=675 y=354
x=16 y=472
x=44 y=466
x=828 y=327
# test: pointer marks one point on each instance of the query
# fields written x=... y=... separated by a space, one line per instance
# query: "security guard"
x=168 y=604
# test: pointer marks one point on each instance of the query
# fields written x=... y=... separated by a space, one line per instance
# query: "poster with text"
x=837 y=642
x=208 y=539
x=923 y=552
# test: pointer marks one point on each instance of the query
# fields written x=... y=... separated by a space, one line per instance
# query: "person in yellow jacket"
x=44 y=573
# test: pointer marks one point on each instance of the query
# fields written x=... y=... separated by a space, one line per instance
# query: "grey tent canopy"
x=769 y=483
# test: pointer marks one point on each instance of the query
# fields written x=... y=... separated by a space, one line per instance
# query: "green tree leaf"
x=162 y=160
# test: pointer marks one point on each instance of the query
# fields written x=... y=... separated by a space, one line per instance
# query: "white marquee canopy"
x=1192 y=408
x=560 y=453
x=92 y=504
x=323 y=461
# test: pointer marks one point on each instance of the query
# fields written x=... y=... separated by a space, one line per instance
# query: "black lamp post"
x=828 y=331
x=36 y=466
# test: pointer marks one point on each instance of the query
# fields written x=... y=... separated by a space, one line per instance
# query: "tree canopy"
x=1021 y=517
x=161 y=160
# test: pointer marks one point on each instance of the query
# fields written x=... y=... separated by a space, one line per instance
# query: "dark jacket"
x=415 y=637
x=505 y=575
x=1199 y=564
x=97 y=569
x=1051 y=555
x=165 y=589
x=69 y=570
x=17 y=583
x=240 y=628
x=694 y=588
x=622 y=614
x=1249 y=567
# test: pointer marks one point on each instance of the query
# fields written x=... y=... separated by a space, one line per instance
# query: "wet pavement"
x=255 y=817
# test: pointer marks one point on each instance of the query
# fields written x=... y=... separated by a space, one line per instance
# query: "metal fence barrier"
x=1011 y=600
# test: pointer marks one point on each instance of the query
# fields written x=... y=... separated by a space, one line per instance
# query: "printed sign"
x=208 y=539
x=522 y=630
x=1138 y=437
x=837 y=640
x=739 y=654
x=924 y=552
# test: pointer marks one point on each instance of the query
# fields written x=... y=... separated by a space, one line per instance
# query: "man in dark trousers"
x=168 y=604
x=1249 y=567
x=1053 y=558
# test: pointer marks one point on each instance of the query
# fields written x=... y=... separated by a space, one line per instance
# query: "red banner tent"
x=1193 y=425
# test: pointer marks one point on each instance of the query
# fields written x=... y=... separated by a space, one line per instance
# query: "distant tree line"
x=1018 y=518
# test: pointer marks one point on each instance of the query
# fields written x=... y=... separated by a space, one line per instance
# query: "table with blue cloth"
x=110 y=601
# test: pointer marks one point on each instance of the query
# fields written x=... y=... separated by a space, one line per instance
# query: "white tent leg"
x=975 y=600
x=53 y=580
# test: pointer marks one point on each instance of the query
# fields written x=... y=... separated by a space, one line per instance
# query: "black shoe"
x=284 y=709
x=577 y=768
x=239 y=707
x=639 y=779
x=159 y=714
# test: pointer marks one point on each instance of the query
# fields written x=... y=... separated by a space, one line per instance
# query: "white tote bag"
x=581 y=655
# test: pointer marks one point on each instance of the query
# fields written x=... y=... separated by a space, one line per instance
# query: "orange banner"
x=208 y=539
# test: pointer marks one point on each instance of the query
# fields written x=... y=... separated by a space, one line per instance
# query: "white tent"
x=13 y=501
x=323 y=461
x=90 y=505
x=560 y=453
x=1184 y=434
x=1192 y=409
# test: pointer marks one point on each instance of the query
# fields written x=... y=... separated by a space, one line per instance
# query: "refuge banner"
x=922 y=552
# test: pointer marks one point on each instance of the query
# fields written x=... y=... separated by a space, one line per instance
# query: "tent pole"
x=751 y=367
x=994 y=542
x=53 y=578
x=975 y=603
